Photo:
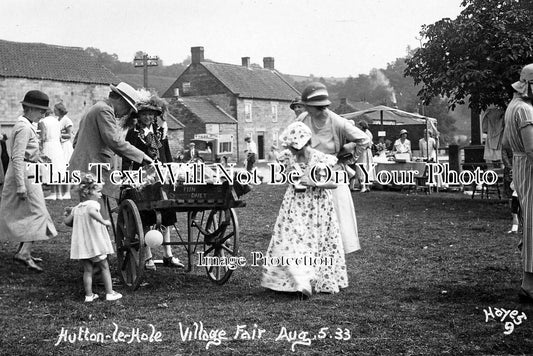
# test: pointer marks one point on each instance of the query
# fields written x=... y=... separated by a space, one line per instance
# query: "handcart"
x=211 y=225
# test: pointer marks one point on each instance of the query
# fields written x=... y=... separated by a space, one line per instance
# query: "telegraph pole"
x=145 y=61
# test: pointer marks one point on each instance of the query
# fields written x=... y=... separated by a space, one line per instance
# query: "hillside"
x=159 y=83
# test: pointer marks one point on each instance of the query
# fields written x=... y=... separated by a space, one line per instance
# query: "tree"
x=476 y=56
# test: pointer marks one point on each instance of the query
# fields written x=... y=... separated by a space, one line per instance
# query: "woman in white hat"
x=23 y=214
x=331 y=133
x=402 y=145
x=306 y=228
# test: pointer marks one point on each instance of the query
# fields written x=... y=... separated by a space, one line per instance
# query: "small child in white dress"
x=90 y=239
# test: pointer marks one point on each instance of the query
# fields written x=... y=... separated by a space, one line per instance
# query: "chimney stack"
x=245 y=62
x=268 y=62
x=197 y=55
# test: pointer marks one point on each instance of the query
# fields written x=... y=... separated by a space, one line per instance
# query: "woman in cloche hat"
x=23 y=214
x=330 y=134
x=402 y=145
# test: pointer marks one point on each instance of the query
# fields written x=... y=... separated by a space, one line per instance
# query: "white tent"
x=385 y=115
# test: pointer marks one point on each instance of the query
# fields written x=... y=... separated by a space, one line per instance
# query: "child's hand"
x=67 y=211
x=106 y=222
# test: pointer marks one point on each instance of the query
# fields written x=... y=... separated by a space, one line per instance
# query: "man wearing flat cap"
x=99 y=135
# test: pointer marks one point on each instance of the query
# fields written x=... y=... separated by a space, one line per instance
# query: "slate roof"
x=58 y=63
x=252 y=82
x=207 y=111
x=173 y=123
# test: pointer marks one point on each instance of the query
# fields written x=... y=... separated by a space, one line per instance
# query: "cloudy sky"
x=325 y=38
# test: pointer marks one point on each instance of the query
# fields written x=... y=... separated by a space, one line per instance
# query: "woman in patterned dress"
x=307 y=229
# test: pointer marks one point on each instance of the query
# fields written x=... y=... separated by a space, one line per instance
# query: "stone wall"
x=77 y=97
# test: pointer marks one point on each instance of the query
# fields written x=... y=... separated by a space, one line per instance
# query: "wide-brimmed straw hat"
x=526 y=77
x=36 y=99
x=315 y=94
x=127 y=93
x=296 y=135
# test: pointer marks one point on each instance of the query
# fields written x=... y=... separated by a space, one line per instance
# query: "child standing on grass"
x=307 y=231
x=90 y=239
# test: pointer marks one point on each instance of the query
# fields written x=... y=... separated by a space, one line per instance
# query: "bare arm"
x=95 y=214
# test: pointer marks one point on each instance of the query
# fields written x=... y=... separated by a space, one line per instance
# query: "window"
x=224 y=147
x=248 y=111
x=186 y=87
x=275 y=137
x=274 y=109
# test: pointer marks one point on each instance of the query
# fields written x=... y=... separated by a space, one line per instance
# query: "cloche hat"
x=127 y=93
x=526 y=76
x=36 y=99
x=295 y=102
x=315 y=94
x=403 y=131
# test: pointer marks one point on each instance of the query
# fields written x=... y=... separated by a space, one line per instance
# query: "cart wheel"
x=224 y=242
x=130 y=244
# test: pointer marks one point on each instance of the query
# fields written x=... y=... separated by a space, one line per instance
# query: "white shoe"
x=91 y=298
x=150 y=265
x=113 y=296
x=66 y=196
x=51 y=197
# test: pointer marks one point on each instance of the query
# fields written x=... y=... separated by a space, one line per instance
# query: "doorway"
x=260 y=145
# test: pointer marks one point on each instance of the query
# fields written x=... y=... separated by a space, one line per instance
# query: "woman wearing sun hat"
x=306 y=227
x=331 y=133
x=23 y=214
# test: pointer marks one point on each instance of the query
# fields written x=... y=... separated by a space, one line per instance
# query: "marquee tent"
x=385 y=116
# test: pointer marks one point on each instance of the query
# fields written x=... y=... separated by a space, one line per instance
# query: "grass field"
x=432 y=271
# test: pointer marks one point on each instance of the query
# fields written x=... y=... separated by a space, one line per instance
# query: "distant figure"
x=191 y=154
x=365 y=159
x=250 y=152
x=272 y=155
x=65 y=125
x=428 y=147
x=402 y=145
x=50 y=134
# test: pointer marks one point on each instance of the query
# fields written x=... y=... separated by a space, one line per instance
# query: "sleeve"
x=525 y=115
x=354 y=134
x=21 y=137
x=112 y=137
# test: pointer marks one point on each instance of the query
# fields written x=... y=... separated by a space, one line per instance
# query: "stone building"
x=67 y=74
x=257 y=98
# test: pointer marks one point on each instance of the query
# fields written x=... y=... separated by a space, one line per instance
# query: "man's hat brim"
x=124 y=95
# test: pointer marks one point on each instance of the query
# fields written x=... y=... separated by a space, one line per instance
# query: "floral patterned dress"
x=306 y=243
